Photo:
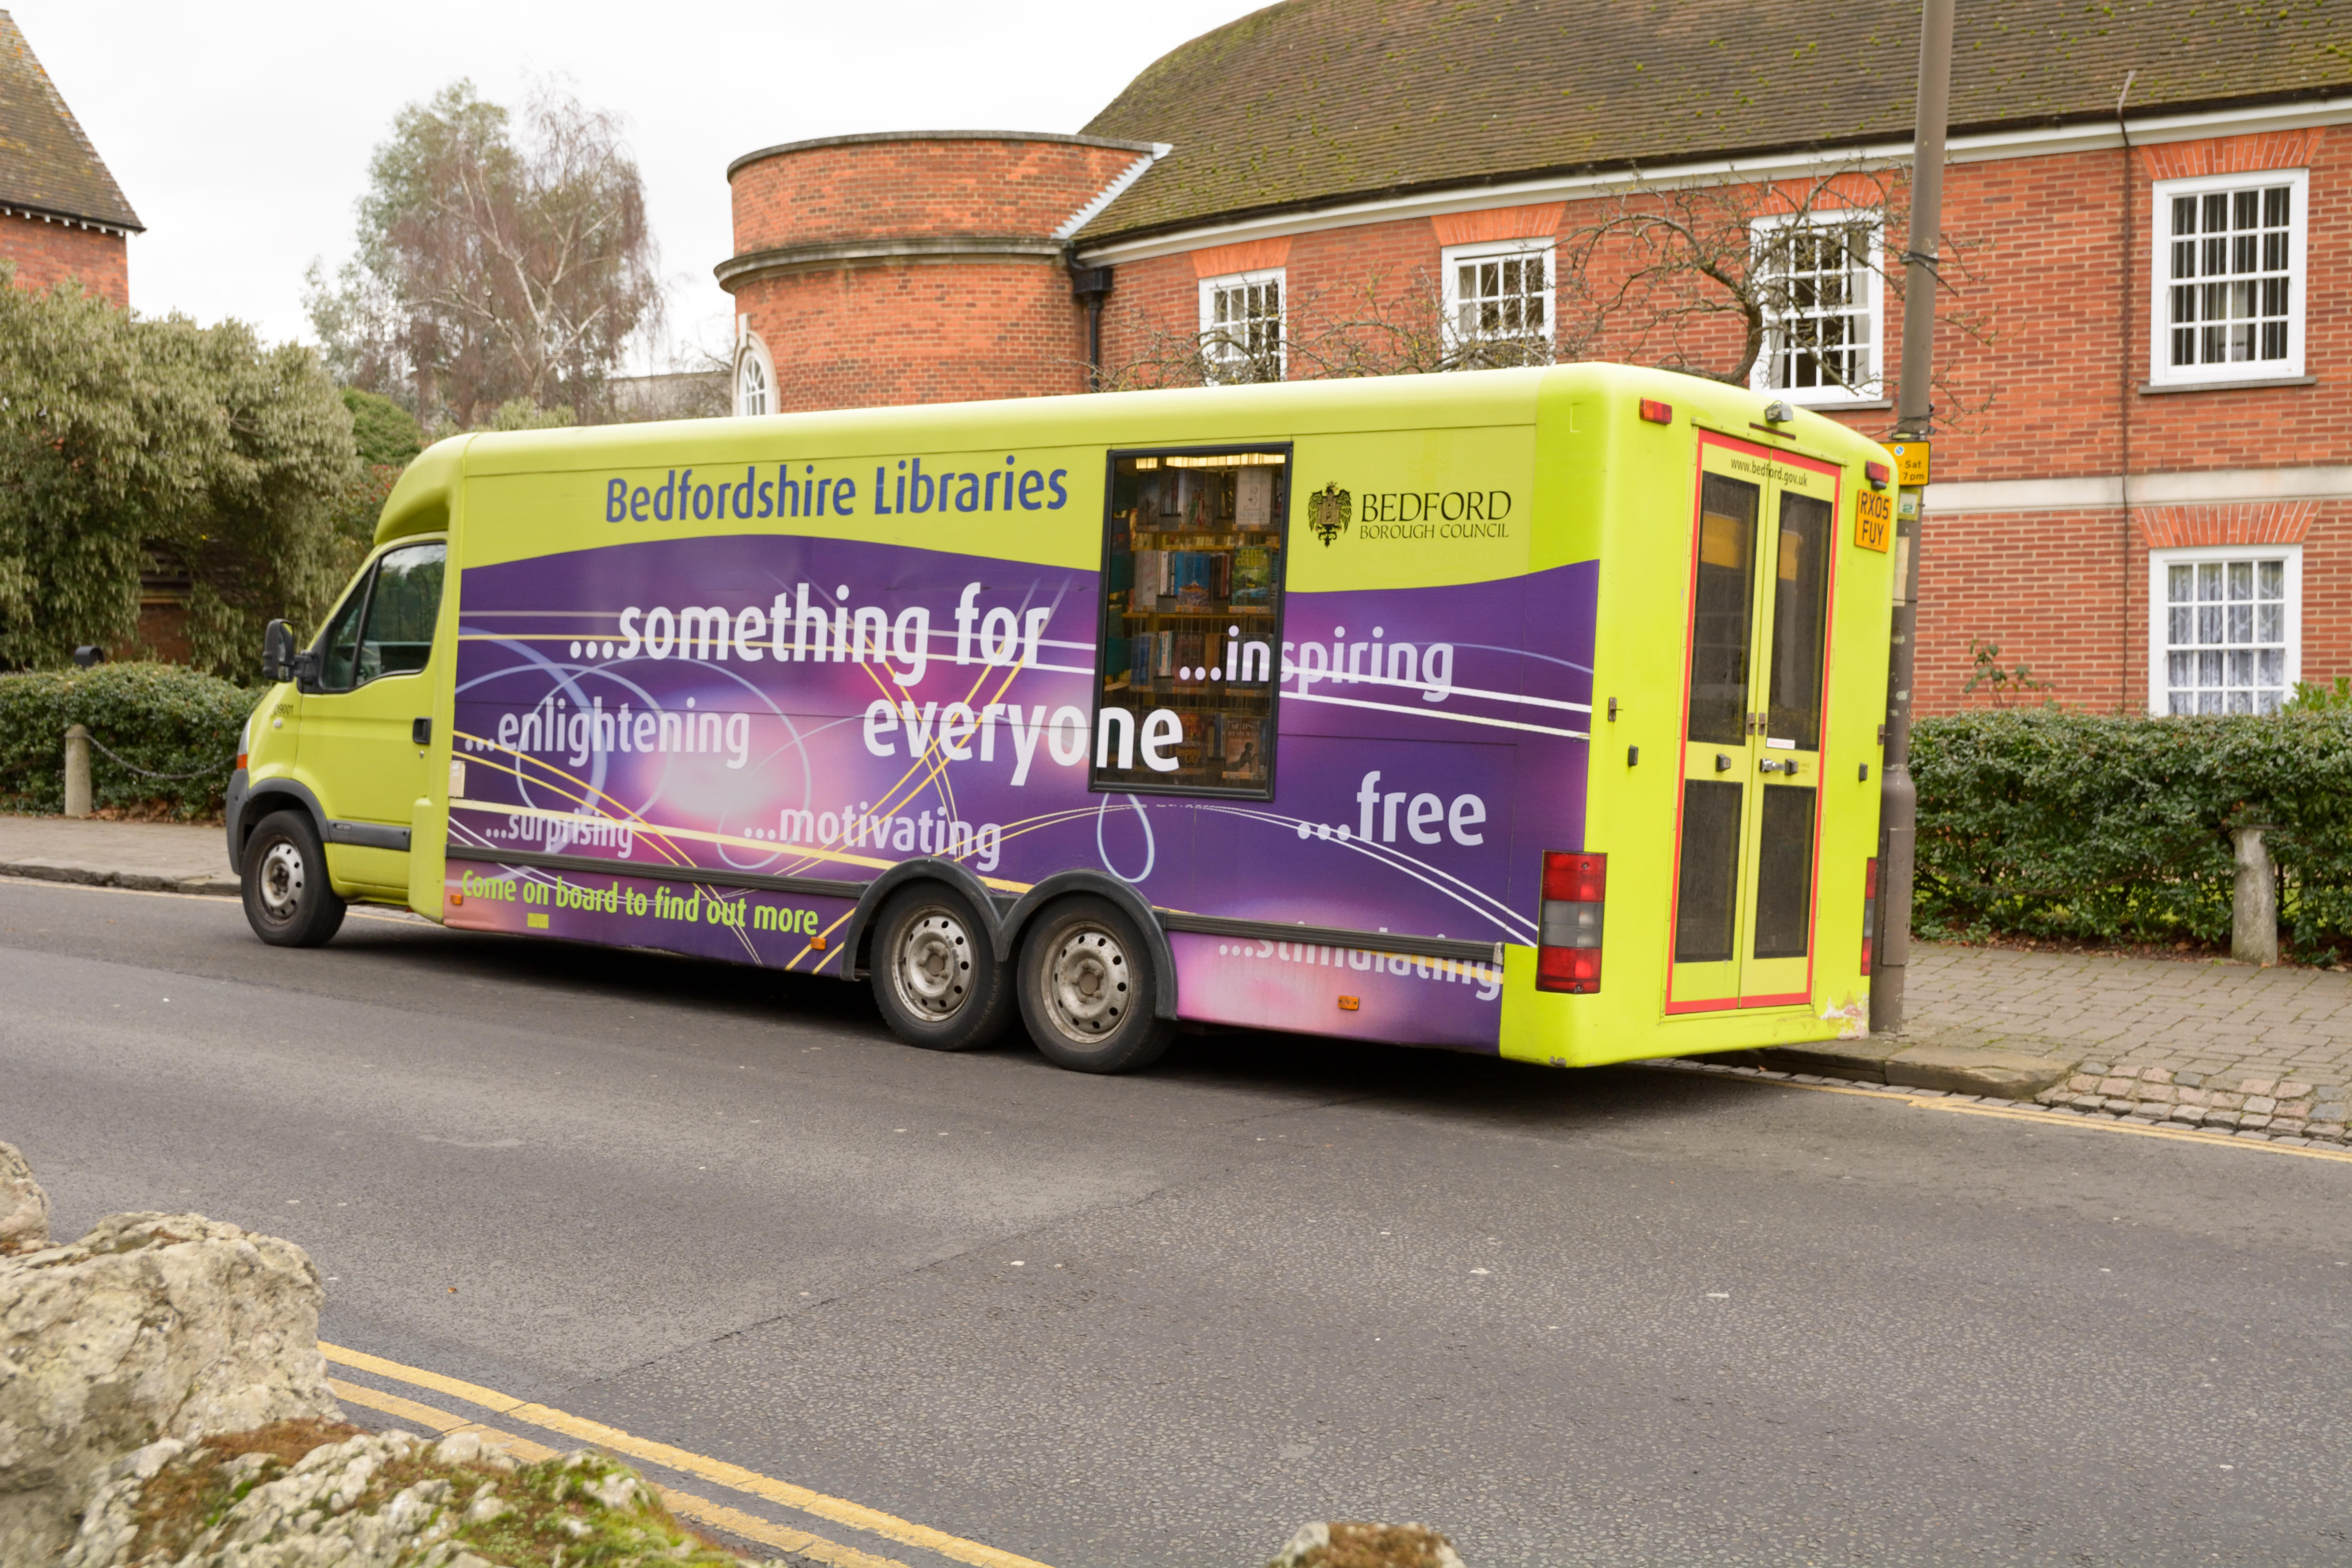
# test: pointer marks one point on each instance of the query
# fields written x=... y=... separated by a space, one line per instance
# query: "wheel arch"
x=857 y=936
x=1063 y=884
x=260 y=799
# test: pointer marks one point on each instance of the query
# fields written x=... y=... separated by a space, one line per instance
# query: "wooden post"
x=77 y=769
x=2253 y=903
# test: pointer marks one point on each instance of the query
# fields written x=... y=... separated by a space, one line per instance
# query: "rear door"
x=1755 y=665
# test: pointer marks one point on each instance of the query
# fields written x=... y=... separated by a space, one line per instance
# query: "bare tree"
x=492 y=268
x=1704 y=278
x=1711 y=278
x=1374 y=329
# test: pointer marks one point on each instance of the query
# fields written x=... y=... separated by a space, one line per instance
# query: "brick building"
x=2143 y=472
x=61 y=214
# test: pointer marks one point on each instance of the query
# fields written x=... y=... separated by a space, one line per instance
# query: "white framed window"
x=1499 y=302
x=1820 y=288
x=755 y=376
x=1241 y=326
x=2226 y=632
x=2229 y=277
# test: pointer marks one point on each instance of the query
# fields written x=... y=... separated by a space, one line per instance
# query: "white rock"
x=621 y=1493
x=23 y=1206
x=152 y=1326
x=457 y=1448
x=1312 y=1539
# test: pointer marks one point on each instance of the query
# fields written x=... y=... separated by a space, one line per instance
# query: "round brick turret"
x=919 y=267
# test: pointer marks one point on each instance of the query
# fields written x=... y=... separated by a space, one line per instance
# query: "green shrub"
x=162 y=717
x=2107 y=827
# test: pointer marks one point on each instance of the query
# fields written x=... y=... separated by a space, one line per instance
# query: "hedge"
x=161 y=717
x=2111 y=828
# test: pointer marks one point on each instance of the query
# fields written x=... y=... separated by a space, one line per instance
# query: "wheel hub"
x=282 y=880
x=1086 y=982
x=933 y=966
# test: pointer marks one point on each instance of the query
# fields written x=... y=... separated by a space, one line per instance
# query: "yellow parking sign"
x=1910 y=461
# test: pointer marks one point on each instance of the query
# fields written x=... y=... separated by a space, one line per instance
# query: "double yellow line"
x=612 y=1440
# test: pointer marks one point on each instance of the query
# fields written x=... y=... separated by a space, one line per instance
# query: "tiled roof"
x=47 y=164
x=1319 y=100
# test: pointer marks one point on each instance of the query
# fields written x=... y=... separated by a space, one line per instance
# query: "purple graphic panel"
x=1359 y=992
x=825 y=709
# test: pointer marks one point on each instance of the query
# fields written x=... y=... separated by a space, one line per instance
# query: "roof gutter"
x=2239 y=117
x=70 y=220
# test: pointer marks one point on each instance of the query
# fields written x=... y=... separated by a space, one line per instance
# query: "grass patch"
x=585 y=1509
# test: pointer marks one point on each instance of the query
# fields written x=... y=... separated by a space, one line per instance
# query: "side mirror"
x=305 y=670
x=276 y=652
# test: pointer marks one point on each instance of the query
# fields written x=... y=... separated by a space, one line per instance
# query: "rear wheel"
x=288 y=901
x=936 y=977
x=1087 y=985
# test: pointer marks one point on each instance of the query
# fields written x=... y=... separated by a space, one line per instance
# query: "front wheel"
x=936 y=977
x=288 y=901
x=1086 y=986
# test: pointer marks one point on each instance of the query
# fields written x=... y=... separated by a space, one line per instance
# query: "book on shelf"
x=1194 y=746
x=1191 y=575
x=1237 y=736
x=1151 y=571
x=1164 y=664
x=1254 y=498
x=1252 y=585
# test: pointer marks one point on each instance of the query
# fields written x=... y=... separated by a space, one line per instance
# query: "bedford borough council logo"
x=1327 y=511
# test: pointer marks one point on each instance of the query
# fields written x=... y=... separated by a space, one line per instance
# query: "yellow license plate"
x=1874 y=520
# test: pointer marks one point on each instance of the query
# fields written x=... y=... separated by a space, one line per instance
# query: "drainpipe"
x=1090 y=285
x=1898 y=808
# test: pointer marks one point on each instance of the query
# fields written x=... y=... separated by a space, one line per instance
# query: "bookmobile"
x=1531 y=713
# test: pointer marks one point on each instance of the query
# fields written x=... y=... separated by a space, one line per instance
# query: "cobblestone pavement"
x=2219 y=1046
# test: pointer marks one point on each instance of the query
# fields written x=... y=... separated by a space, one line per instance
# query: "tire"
x=1087 y=985
x=935 y=976
x=288 y=901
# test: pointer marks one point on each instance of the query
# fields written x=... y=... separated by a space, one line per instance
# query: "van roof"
x=420 y=501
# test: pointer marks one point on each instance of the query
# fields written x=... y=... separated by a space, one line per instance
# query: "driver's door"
x=361 y=750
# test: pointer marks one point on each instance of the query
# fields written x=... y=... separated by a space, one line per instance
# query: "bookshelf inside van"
x=1192 y=635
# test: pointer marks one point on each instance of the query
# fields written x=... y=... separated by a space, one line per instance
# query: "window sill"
x=2159 y=388
x=1873 y=405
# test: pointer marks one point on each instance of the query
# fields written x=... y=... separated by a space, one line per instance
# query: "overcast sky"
x=241 y=132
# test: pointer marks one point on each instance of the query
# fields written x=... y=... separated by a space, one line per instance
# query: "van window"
x=339 y=649
x=1191 y=623
x=397 y=602
x=401 y=612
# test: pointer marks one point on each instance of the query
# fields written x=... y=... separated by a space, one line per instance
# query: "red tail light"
x=1869 y=909
x=1567 y=950
x=1657 y=413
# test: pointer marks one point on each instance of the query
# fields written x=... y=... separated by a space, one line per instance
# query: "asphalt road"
x=1607 y=1317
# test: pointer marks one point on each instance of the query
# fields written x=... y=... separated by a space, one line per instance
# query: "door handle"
x=1722 y=763
x=420 y=732
x=1775 y=765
